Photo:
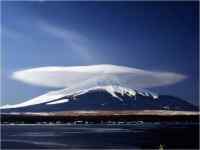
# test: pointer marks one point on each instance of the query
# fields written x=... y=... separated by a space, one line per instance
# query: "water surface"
x=103 y=136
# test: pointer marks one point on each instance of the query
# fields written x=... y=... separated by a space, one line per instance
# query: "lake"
x=101 y=136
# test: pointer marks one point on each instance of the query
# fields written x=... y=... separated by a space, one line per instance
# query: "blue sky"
x=160 y=36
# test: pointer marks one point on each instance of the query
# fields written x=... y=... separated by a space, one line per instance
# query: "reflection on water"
x=146 y=135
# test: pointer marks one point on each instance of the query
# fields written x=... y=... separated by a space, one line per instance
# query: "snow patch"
x=112 y=90
x=147 y=93
x=58 y=102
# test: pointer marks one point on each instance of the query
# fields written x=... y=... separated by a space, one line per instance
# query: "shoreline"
x=103 y=116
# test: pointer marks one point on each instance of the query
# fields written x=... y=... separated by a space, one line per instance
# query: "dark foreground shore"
x=99 y=116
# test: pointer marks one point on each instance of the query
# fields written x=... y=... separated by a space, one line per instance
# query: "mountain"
x=100 y=98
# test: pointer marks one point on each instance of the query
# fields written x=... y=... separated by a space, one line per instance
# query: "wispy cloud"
x=96 y=74
x=73 y=40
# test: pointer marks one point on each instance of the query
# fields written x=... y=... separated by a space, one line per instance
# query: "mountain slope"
x=100 y=98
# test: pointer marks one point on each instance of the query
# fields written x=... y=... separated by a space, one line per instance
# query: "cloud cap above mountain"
x=61 y=77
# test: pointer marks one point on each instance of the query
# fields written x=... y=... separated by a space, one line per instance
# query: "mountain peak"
x=115 y=91
x=104 y=97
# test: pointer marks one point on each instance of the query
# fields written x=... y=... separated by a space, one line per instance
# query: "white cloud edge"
x=62 y=77
x=72 y=39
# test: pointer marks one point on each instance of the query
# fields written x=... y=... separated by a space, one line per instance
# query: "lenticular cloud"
x=62 y=77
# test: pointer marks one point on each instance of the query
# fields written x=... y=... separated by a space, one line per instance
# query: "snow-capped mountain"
x=100 y=98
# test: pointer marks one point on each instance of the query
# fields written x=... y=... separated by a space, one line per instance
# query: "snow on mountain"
x=53 y=97
x=58 y=101
x=112 y=90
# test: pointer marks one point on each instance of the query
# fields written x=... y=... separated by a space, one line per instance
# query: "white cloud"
x=61 y=77
x=75 y=79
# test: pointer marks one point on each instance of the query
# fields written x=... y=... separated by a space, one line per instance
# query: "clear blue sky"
x=159 y=36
